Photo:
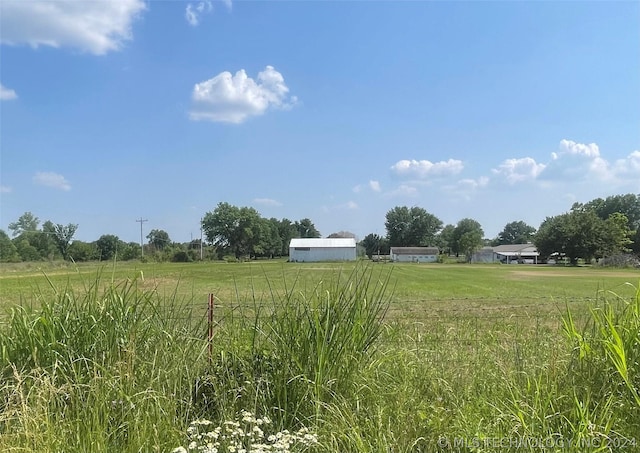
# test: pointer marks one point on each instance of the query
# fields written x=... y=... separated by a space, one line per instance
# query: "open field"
x=116 y=358
x=425 y=290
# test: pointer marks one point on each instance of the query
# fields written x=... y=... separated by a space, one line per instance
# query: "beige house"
x=414 y=254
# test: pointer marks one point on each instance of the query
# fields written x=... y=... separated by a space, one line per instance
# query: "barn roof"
x=415 y=251
x=512 y=248
x=323 y=242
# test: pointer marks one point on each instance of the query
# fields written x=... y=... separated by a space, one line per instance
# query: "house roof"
x=415 y=250
x=323 y=242
x=516 y=250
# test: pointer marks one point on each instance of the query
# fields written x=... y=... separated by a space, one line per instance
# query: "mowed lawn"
x=419 y=291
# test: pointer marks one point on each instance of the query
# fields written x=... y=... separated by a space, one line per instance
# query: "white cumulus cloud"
x=577 y=161
x=519 y=170
x=194 y=13
x=7 y=94
x=97 y=26
x=51 y=179
x=234 y=98
x=267 y=202
x=5 y=189
x=579 y=149
x=425 y=168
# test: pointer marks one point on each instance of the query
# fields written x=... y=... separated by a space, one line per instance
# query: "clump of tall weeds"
x=606 y=360
x=299 y=353
x=104 y=369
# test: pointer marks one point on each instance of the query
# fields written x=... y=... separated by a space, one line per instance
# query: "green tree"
x=414 y=226
x=26 y=251
x=628 y=205
x=467 y=237
x=287 y=231
x=61 y=236
x=107 y=246
x=550 y=237
x=445 y=240
x=517 y=232
x=159 y=239
x=342 y=234
x=8 y=251
x=374 y=244
x=306 y=229
x=233 y=229
x=26 y=222
x=616 y=235
x=41 y=242
x=80 y=251
x=581 y=233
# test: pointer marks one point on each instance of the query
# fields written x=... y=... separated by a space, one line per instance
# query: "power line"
x=141 y=220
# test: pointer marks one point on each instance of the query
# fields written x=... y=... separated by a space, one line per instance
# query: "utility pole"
x=141 y=220
x=201 y=249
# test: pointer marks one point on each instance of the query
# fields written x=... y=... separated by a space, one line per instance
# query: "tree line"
x=594 y=230
x=597 y=229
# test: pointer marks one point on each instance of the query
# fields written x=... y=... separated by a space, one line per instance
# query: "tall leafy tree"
x=286 y=230
x=581 y=233
x=411 y=227
x=306 y=229
x=342 y=234
x=8 y=251
x=467 y=237
x=26 y=222
x=517 y=232
x=627 y=204
x=82 y=251
x=374 y=244
x=159 y=239
x=61 y=236
x=107 y=246
x=445 y=239
x=234 y=229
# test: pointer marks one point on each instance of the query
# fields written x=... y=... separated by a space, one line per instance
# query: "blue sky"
x=336 y=111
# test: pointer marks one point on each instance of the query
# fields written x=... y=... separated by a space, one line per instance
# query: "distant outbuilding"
x=309 y=250
x=507 y=254
x=415 y=254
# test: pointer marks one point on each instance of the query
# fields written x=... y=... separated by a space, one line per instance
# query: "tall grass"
x=105 y=370
x=120 y=368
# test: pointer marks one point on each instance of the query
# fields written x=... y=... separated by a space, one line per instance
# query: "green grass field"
x=467 y=358
x=427 y=289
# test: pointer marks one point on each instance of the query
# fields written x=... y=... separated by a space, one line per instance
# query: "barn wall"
x=322 y=254
x=415 y=258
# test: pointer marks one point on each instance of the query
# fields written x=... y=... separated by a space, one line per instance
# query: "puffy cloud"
x=578 y=149
x=404 y=190
x=234 y=98
x=6 y=94
x=193 y=13
x=267 y=202
x=577 y=161
x=518 y=170
x=5 y=189
x=96 y=26
x=375 y=186
x=51 y=179
x=629 y=167
x=425 y=168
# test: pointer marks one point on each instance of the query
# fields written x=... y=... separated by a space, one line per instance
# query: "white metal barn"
x=305 y=250
x=415 y=254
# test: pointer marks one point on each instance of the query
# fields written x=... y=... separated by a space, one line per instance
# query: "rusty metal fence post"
x=210 y=327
